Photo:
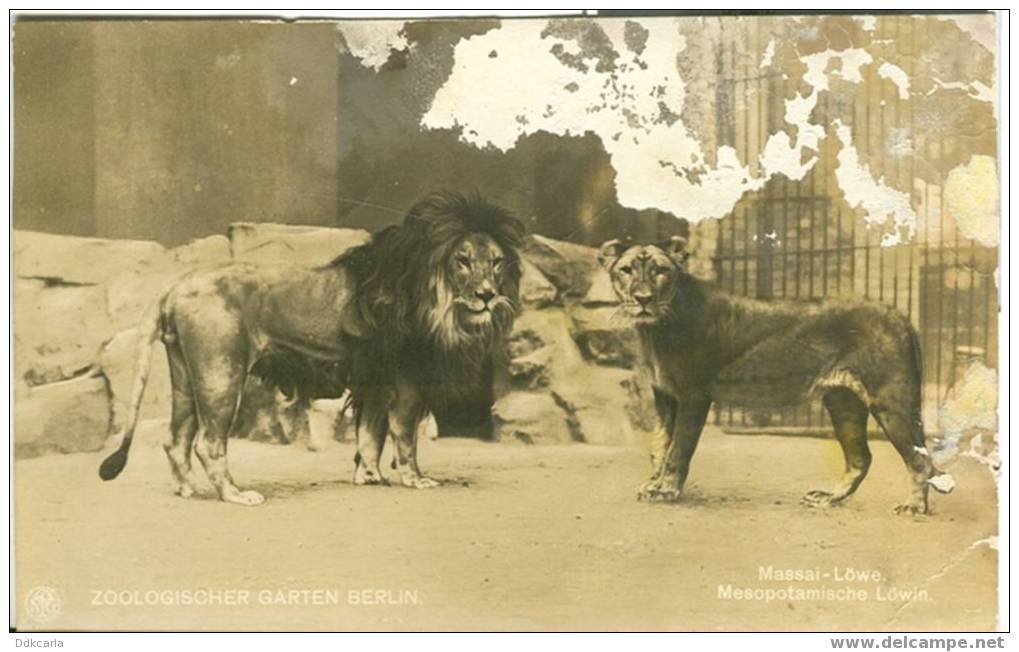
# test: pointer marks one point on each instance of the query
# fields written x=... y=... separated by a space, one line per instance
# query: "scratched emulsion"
x=590 y=76
x=971 y=408
x=971 y=193
x=372 y=41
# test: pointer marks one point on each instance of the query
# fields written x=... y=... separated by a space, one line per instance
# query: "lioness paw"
x=819 y=498
x=660 y=496
x=655 y=491
x=910 y=508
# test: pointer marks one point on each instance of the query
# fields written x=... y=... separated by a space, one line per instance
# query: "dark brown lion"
x=702 y=346
x=407 y=322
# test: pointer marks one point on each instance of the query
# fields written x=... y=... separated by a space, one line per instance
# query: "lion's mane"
x=404 y=296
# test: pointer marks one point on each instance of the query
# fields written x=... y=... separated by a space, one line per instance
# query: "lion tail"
x=149 y=329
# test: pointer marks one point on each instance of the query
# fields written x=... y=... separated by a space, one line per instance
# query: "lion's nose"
x=642 y=298
x=485 y=295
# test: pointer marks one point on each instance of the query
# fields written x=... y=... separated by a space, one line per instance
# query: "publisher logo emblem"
x=43 y=604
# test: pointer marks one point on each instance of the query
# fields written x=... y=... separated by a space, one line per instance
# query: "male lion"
x=407 y=321
x=703 y=346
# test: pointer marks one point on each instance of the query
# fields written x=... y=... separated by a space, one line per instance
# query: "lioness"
x=407 y=321
x=703 y=346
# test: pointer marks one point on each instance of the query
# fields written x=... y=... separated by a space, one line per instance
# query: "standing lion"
x=703 y=346
x=408 y=322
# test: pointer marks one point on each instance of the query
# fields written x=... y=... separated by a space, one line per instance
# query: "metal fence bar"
x=989 y=295
x=805 y=222
x=955 y=316
x=941 y=276
x=972 y=293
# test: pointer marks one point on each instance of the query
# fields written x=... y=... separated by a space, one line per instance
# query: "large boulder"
x=536 y=291
x=551 y=394
x=68 y=416
x=74 y=294
x=531 y=418
x=586 y=292
x=58 y=329
x=73 y=260
x=77 y=307
x=211 y=250
x=529 y=359
x=265 y=243
x=597 y=405
x=602 y=336
x=569 y=267
x=600 y=293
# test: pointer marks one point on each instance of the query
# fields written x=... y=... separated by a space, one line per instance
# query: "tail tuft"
x=114 y=464
x=149 y=331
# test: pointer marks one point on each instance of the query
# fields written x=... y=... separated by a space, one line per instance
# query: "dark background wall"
x=54 y=120
x=171 y=130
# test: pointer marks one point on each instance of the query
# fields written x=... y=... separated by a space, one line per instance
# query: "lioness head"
x=644 y=276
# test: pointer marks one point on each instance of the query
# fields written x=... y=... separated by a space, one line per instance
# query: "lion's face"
x=644 y=276
x=476 y=276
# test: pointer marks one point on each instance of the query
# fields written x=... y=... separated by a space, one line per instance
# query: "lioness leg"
x=660 y=439
x=691 y=414
x=906 y=434
x=849 y=418
x=183 y=421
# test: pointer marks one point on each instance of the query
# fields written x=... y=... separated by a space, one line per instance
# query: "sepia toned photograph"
x=600 y=321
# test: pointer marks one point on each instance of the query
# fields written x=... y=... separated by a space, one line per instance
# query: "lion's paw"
x=419 y=482
x=248 y=498
x=819 y=498
x=364 y=477
x=184 y=490
x=647 y=486
x=371 y=480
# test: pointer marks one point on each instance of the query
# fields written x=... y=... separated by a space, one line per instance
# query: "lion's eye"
x=661 y=271
x=464 y=261
x=497 y=263
x=626 y=269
